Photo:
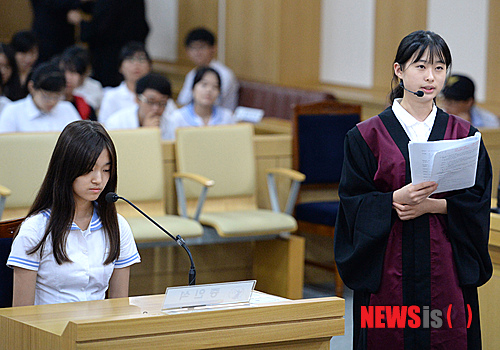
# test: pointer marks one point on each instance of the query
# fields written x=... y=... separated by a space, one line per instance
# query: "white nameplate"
x=208 y=294
x=247 y=114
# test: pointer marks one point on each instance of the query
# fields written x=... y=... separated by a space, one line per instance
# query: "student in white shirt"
x=134 y=64
x=89 y=89
x=73 y=246
x=202 y=110
x=153 y=105
x=4 y=101
x=201 y=50
x=42 y=109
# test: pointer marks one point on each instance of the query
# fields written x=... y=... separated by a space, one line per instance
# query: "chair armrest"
x=181 y=195
x=292 y=174
x=296 y=177
x=4 y=191
x=204 y=181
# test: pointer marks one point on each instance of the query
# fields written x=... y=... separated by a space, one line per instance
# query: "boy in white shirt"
x=201 y=50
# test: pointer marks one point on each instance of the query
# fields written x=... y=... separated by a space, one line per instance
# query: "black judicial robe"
x=434 y=260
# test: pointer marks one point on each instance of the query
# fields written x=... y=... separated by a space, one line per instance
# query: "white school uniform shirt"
x=417 y=131
x=186 y=116
x=92 y=92
x=4 y=101
x=114 y=100
x=86 y=277
x=230 y=87
x=127 y=118
x=24 y=116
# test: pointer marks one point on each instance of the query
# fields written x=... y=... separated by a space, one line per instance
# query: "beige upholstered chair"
x=24 y=158
x=225 y=154
x=141 y=180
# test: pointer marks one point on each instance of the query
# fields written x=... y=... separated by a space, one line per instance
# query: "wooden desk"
x=138 y=323
x=490 y=292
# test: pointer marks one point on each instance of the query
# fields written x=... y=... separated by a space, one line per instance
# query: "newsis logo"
x=412 y=316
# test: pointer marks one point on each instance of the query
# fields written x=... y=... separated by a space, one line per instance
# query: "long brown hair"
x=75 y=154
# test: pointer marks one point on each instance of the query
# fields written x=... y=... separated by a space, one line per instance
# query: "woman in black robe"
x=396 y=243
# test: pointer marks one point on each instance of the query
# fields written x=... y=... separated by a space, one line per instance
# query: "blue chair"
x=7 y=229
x=319 y=130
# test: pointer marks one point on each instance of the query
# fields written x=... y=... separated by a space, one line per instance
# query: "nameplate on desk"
x=247 y=114
x=208 y=294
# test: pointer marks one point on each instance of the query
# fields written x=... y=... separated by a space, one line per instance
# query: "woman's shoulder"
x=34 y=225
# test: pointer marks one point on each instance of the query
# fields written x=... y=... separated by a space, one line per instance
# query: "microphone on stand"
x=418 y=93
x=112 y=197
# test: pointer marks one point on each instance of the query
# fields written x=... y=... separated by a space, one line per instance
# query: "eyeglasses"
x=159 y=104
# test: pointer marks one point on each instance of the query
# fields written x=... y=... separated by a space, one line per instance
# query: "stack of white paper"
x=451 y=164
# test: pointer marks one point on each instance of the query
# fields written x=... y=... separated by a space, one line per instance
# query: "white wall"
x=347 y=42
x=463 y=24
x=162 y=39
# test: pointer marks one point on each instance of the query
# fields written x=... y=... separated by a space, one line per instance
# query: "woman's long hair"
x=413 y=46
x=75 y=154
x=12 y=88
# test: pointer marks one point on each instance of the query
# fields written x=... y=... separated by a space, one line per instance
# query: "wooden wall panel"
x=300 y=42
x=394 y=20
x=195 y=13
x=253 y=39
x=15 y=15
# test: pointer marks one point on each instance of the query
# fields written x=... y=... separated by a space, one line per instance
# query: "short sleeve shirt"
x=85 y=277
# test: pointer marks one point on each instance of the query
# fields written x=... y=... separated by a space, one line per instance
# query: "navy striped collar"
x=95 y=222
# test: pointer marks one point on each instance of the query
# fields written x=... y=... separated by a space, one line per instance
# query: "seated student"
x=3 y=100
x=202 y=109
x=458 y=99
x=25 y=45
x=153 y=99
x=74 y=67
x=201 y=50
x=134 y=64
x=73 y=246
x=42 y=109
x=90 y=89
x=8 y=68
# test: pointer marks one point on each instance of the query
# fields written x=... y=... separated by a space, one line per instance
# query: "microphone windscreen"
x=111 y=197
x=419 y=93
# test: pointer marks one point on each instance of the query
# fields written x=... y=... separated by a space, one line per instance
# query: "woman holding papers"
x=73 y=245
x=400 y=248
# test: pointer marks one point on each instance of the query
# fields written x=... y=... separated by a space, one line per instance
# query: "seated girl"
x=42 y=109
x=74 y=67
x=202 y=110
x=73 y=246
x=8 y=68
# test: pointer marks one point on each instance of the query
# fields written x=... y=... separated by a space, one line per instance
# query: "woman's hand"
x=414 y=194
x=428 y=205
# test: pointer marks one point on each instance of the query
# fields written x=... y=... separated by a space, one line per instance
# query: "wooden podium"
x=489 y=308
x=138 y=323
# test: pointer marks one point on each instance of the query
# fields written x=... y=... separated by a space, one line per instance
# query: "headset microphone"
x=418 y=93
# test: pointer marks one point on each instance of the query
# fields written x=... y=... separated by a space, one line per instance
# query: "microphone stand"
x=180 y=241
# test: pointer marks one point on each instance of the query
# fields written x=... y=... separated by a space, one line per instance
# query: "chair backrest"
x=7 y=229
x=224 y=154
x=24 y=158
x=140 y=170
x=319 y=130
